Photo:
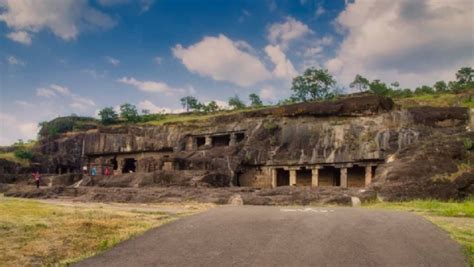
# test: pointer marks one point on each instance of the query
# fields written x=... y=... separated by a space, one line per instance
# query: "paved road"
x=278 y=236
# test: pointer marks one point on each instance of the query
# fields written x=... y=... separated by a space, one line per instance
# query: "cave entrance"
x=356 y=176
x=200 y=141
x=114 y=163
x=283 y=177
x=329 y=176
x=221 y=140
x=239 y=137
x=129 y=165
x=303 y=177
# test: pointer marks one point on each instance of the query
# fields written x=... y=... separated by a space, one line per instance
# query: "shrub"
x=23 y=153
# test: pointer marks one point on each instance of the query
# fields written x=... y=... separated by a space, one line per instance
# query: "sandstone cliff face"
x=242 y=149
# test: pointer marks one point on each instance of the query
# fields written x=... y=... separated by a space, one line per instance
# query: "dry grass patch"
x=35 y=233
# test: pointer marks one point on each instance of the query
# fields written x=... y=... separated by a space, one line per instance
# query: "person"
x=93 y=171
x=107 y=171
x=84 y=169
x=37 y=178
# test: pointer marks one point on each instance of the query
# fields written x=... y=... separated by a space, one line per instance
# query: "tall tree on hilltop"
x=255 y=100
x=108 y=116
x=129 y=112
x=190 y=103
x=314 y=84
x=236 y=103
x=360 y=83
x=465 y=75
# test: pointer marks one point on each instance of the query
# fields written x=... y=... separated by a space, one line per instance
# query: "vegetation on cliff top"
x=312 y=85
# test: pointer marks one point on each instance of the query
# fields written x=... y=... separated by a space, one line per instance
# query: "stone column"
x=274 y=177
x=208 y=140
x=344 y=177
x=292 y=176
x=190 y=143
x=233 y=139
x=368 y=175
x=314 y=176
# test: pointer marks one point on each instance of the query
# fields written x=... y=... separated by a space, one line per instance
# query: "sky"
x=62 y=57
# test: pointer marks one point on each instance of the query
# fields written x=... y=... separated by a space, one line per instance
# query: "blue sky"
x=78 y=56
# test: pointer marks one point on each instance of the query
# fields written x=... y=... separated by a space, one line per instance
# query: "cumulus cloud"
x=21 y=37
x=319 y=10
x=268 y=93
x=15 y=61
x=12 y=129
x=413 y=42
x=222 y=60
x=283 y=67
x=76 y=102
x=148 y=86
x=66 y=18
x=148 y=105
x=285 y=32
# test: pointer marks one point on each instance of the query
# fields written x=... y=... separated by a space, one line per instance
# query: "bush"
x=62 y=125
x=22 y=153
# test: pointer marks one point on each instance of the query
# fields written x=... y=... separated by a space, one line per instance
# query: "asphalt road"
x=289 y=236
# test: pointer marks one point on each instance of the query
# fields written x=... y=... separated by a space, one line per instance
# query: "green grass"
x=10 y=156
x=432 y=207
x=36 y=233
x=438 y=100
x=457 y=218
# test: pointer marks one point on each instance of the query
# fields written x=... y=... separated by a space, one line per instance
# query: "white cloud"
x=45 y=92
x=113 y=61
x=146 y=104
x=320 y=10
x=12 y=129
x=20 y=37
x=147 y=86
x=77 y=102
x=283 y=67
x=15 y=61
x=81 y=103
x=23 y=103
x=60 y=89
x=268 y=93
x=145 y=5
x=221 y=59
x=413 y=42
x=158 y=60
x=66 y=18
x=109 y=3
x=283 y=33
x=93 y=73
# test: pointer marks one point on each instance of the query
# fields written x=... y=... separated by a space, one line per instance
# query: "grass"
x=10 y=156
x=36 y=233
x=438 y=100
x=457 y=218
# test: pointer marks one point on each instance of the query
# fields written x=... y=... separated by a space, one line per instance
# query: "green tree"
x=379 y=88
x=424 y=89
x=236 y=103
x=395 y=84
x=211 y=107
x=465 y=75
x=145 y=111
x=440 y=86
x=129 y=113
x=190 y=103
x=314 y=84
x=360 y=83
x=108 y=116
x=255 y=100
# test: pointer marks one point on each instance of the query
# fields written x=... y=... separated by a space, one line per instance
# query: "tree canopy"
x=255 y=100
x=129 y=113
x=360 y=83
x=108 y=116
x=236 y=103
x=314 y=84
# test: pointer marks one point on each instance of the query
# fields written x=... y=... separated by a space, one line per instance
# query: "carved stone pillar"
x=293 y=177
x=233 y=139
x=344 y=177
x=368 y=175
x=314 y=176
x=274 y=177
x=208 y=140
